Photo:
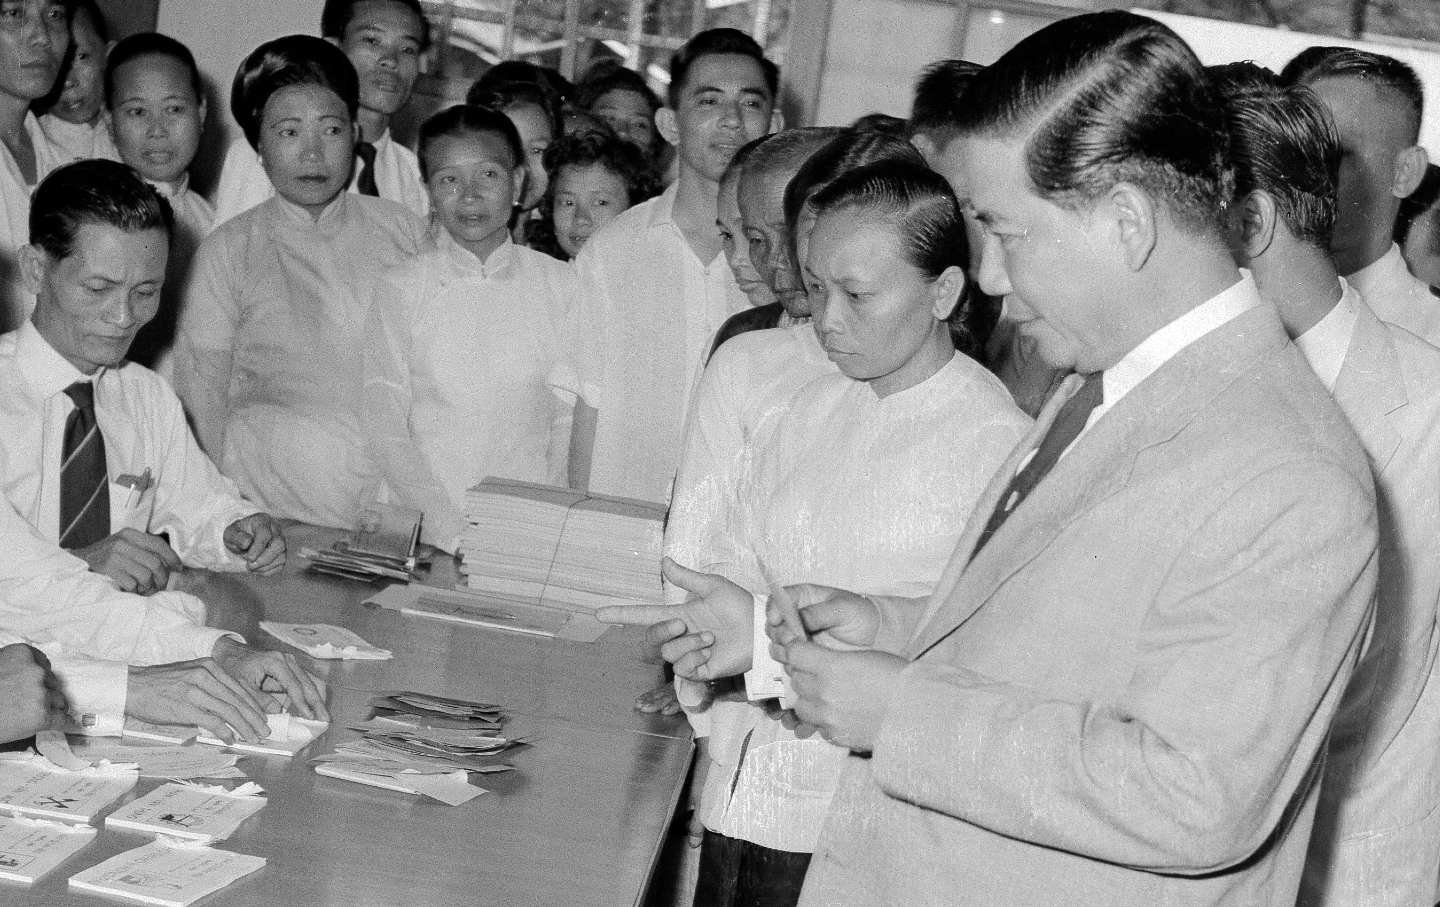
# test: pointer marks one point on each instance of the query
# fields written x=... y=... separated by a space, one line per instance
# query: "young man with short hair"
x=654 y=284
x=1376 y=102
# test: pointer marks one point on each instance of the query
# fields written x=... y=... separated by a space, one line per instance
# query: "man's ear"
x=204 y=112
x=1131 y=211
x=667 y=125
x=32 y=268
x=1409 y=171
x=946 y=291
x=1258 y=221
x=518 y=177
x=777 y=118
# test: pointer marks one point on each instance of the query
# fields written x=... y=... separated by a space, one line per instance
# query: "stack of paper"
x=201 y=812
x=289 y=734
x=167 y=872
x=560 y=547
x=31 y=848
x=325 y=641
x=421 y=744
x=381 y=547
x=175 y=762
x=34 y=785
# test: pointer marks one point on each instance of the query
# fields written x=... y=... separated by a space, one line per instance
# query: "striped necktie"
x=365 y=182
x=1069 y=422
x=84 y=485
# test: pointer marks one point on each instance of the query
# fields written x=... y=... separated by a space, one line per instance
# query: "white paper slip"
x=35 y=786
x=325 y=641
x=289 y=734
x=167 y=873
x=174 y=762
x=201 y=812
x=31 y=848
x=489 y=612
x=450 y=788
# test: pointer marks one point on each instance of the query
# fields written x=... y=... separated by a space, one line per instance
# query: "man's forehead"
x=736 y=72
x=1358 y=104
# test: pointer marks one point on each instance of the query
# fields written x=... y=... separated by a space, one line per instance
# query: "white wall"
x=1227 y=42
x=875 y=51
x=220 y=33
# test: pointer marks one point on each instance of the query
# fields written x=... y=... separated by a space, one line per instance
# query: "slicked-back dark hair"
x=711 y=42
x=850 y=150
x=337 y=15
x=145 y=44
x=1282 y=142
x=466 y=118
x=923 y=208
x=292 y=60
x=1388 y=73
x=1105 y=98
x=938 y=91
x=93 y=192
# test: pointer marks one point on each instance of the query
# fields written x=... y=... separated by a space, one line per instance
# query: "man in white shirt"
x=149 y=658
x=1377 y=831
x=96 y=263
x=1120 y=690
x=383 y=40
x=654 y=286
x=1376 y=103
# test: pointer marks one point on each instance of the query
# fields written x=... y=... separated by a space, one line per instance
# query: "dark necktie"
x=1069 y=422
x=365 y=182
x=84 y=485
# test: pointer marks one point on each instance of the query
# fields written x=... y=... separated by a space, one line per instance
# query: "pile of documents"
x=421 y=744
x=560 y=547
x=381 y=547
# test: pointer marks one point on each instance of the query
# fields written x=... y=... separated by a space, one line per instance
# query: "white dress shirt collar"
x=42 y=366
x=1162 y=346
x=1379 y=270
x=1328 y=340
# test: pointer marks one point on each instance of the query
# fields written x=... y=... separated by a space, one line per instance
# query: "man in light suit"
x=1120 y=690
x=1377 y=832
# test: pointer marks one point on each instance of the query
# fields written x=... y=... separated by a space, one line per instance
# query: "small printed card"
x=35 y=786
x=289 y=734
x=324 y=641
x=31 y=848
x=166 y=872
x=202 y=812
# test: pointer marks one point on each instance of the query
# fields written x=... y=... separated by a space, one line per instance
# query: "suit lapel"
x=1097 y=466
x=1370 y=389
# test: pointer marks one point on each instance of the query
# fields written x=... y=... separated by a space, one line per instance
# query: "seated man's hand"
x=137 y=561
x=844 y=694
x=831 y=616
x=661 y=700
x=263 y=674
x=196 y=693
x=31 y=693
x=707 y=637
x=257 y=538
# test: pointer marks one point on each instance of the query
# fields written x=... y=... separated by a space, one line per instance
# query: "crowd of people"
x=1188 y=311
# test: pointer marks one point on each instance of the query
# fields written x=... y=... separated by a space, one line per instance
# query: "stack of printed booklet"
x=560 y=547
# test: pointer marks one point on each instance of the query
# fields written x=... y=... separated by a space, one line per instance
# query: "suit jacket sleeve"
x=1244 y=651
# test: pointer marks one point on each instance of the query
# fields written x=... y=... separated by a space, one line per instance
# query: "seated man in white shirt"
x=383 y=40
x=151 y=658
x=94 y=451
x=1376 y=102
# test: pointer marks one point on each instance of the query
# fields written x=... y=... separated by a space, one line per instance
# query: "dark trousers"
x=735 y=873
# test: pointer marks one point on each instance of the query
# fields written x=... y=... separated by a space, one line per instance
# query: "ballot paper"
x=289 y=734
x=325 y=641
x=31 y=848
x=559 y=547
x=201 y=812
x=450 y=788
x=35 y=786
x=174 y=762
x=166 y=872
x=381 y=547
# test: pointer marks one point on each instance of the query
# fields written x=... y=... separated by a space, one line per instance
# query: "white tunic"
x=459 y=354
x=268 y=357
